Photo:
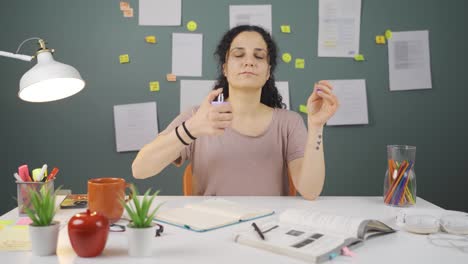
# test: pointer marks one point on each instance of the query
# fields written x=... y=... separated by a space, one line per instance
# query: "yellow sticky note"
x=124 y=58
x=380 y=39
x=303 y=109
x=6 y=222
x=150 y=39
x=285 y=29
x=300 y=64
x=388 y=34
x=286 y=57
x=192 y=25
x=154 y=86
x=359 y=57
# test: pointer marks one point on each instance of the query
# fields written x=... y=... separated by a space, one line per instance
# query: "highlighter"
x=23 y=172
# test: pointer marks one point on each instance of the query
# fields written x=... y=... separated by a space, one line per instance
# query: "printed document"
x=353 y=103
x=258 y=15
x=409 y=61
x=339 y=28
x=135 y=125
x=187 y=53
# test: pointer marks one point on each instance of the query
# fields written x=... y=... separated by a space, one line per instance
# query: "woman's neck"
x=245 y=102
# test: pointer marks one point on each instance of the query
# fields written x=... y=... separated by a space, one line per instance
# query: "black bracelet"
x=180 y=138
x=186 y=131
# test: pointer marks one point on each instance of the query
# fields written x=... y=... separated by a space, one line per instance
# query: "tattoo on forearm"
x=319 y=141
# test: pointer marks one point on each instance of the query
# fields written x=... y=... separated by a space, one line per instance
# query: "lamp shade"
x=49 y=80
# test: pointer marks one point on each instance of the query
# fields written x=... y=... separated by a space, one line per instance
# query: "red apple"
x=88 y=233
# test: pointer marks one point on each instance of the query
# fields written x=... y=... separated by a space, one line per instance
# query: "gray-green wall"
x=77 y=134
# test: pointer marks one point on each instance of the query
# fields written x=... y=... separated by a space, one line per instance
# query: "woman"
x=246 y=145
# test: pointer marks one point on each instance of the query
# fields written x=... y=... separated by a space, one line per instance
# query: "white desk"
x=182 y=246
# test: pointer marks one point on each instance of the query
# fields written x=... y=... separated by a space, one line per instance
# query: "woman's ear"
x=224 y=70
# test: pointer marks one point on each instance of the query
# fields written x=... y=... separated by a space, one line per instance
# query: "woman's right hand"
x=210 y=119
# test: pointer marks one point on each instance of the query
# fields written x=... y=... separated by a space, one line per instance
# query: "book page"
x=326 y=222
x=229 y=209
x=194 y=219
x=294 y=241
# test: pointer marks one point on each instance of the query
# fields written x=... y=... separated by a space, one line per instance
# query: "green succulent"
x=42 y=209
x=138 y=211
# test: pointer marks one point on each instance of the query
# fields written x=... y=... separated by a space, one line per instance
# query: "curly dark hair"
x=270 y=95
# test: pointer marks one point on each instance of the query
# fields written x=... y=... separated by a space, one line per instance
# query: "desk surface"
x=182 y=246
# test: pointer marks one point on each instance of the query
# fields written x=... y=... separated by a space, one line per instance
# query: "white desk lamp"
x=48 y=80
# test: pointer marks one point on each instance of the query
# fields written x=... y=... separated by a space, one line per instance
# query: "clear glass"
x=23 y=188
x=400 y=178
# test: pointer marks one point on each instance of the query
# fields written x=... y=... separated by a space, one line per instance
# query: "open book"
x=311 y=236
x=210 y=214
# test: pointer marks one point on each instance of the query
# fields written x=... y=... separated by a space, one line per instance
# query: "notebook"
x=311 y=235
x=210 y=214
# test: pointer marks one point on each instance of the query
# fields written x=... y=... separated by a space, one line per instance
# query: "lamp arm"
x=16 y=56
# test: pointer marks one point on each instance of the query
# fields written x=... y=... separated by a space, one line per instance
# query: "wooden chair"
x=187 y=182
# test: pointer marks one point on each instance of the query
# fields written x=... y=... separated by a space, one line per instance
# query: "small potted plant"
x=43 y=230
x=141 y=230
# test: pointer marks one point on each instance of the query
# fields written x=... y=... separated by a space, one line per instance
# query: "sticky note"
x=359 y=57
x=128 y=12
x=124 y=5
x=191 y=25
x=171 y=77
x=285 y=29
x=303 y=109
x=124 y=58
x=286 y=57
x=154 y=86
x=380 y=39
x=300 y=64
x=388 y=34
x=150 y=39
x=6 y=222
x=24 y=221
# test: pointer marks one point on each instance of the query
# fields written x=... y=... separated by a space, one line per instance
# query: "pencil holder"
x=400 y=178
x=23 y=189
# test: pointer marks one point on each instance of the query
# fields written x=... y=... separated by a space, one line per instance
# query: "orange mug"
x=105 y=196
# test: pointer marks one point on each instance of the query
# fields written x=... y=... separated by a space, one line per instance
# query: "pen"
x=42 y=173
x=258 y=231
x=17 y=177
x=52 y=174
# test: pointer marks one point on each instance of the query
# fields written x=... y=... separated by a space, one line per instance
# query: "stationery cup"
x=23 y=189
x=105 y=196
x=400 y=178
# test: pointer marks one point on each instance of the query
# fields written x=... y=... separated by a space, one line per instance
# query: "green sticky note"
x=359 y=57
x=388 y=34
x=300 y=64
x=286 y=57
x=285 y=29
x=303 y=109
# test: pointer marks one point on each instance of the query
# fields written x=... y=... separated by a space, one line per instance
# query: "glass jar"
x=400 y=178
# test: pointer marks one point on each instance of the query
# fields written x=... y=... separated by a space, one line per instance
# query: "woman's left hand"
x=322 y=104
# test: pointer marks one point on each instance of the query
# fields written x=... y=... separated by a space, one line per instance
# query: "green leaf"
x=139 y=214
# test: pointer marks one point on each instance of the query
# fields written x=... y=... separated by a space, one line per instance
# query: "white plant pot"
x=44 y=239
x=140 y=241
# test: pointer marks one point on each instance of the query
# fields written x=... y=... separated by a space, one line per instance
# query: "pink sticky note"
x=24 y=221
x=347 y=252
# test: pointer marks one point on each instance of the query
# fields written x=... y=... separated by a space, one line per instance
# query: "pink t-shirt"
x=236 y=164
